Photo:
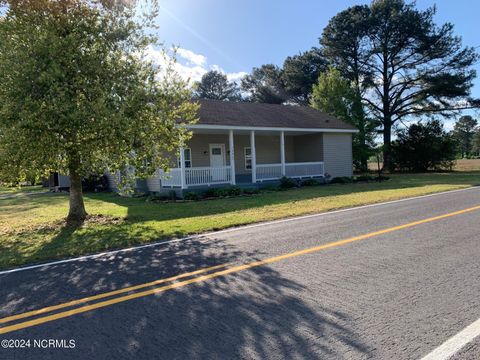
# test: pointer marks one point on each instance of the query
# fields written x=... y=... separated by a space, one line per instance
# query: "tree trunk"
x=76 y=213
x=364 y=147
x=387 y=149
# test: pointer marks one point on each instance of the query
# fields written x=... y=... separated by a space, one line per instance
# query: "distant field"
x=467 y=165
x=460 y=165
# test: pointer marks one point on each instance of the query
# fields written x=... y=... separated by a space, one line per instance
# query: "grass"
x=15 y=190
x=31 y=228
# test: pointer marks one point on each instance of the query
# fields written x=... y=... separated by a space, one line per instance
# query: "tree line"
x=376 y=66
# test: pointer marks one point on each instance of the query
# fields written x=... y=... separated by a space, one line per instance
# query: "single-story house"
x=242 y=143
x=237 y=143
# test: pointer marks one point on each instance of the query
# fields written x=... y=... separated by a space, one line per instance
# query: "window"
x=187 y=155
x=216 y=151
x=248 y=158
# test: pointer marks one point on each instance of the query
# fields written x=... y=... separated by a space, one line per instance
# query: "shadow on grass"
x=252 y=314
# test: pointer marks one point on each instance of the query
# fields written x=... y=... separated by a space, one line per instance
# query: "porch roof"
x=227 y=114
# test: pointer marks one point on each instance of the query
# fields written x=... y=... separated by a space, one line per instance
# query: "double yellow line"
x=204 y=274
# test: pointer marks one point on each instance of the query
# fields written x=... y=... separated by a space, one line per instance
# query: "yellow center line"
x=234 y=269
x=108 y=294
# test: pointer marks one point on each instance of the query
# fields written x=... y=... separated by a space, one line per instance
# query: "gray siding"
x=200 y=149
x=63 y=181
x=308 y=147
x=337 y=154
x=153 y=184
x=241 y=142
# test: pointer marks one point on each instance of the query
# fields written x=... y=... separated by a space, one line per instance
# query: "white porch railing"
x=304 y=169
x=293 y=170
x=269 y=171
x=207 y=175
x=196 y=176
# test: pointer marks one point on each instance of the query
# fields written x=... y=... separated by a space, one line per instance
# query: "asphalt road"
x=392 y=295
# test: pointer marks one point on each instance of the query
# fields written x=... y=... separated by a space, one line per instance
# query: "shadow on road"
x=258 y=313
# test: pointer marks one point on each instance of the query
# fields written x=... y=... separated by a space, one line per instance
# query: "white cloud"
x=189 y=65
x=236 y=76
x=191 y=57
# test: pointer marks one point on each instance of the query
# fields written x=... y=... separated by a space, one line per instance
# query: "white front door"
x=217 y=160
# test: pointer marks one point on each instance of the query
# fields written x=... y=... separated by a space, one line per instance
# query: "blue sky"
x=235 y=35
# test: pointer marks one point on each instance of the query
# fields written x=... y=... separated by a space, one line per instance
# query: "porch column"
x=231 y=146
x=182 y=167
x=282 y=151
x=254 y=156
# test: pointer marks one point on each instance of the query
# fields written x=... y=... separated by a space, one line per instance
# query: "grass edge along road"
x=29 y=230
x=201 y=278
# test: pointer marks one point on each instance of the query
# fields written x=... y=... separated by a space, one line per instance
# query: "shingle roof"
x=214 y=112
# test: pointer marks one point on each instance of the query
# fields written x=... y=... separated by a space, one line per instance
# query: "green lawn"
x=10 y=190
x=30 y=230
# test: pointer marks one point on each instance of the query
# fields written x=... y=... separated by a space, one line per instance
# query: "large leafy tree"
x=265 y=85
x=299 y=74
x=215 y=85
x=405 y=64
x=464 y=130
x=76 y=94
x=338 y=97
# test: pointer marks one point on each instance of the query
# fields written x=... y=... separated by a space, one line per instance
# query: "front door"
x=217 y=160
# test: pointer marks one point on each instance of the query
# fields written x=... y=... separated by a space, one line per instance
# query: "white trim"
x=182 y=168
x=191 y=161
x=228 y=230
x=282 y=151
x=254 y=156
x=222 y=146
x=231 y=149
x=267 y=128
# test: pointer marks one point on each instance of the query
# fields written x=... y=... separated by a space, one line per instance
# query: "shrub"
x=251 y=191
x=341 y=180
x=269 y=187
x=310 y=182
x=191 y=196
x=287 y=183
x=172 y=195
x=363 y=178
x=423 y=147
x=228 y=191
x=210 y=193
x=233 y=191
x=223 y=192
